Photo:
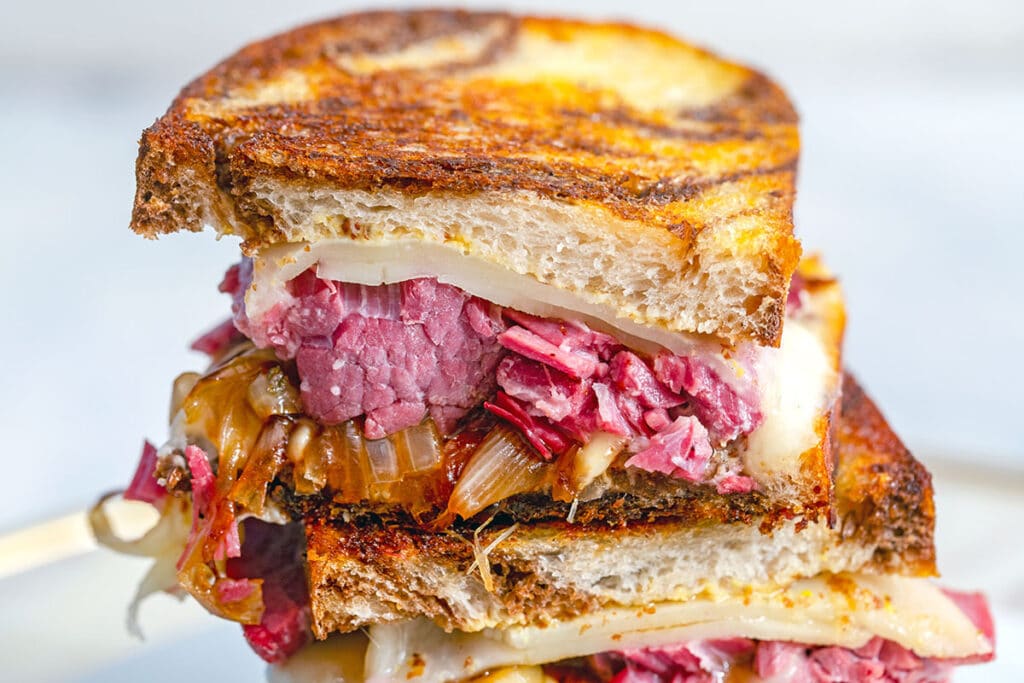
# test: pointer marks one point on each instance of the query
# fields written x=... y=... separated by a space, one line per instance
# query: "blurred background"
x=911 y=183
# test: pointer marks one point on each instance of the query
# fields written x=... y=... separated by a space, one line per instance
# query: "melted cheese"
x=379 y=263
x=797 y=381
x=845 y=610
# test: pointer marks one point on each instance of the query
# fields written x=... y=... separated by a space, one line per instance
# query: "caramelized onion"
x=263 y=464
x=247 y=408
x=353 y=463
x=218 y=406
x=163 y=542
x=272 y=393
x=183 y=385
x=577 y=469
x=383 y=460
x=310 y=469
x=419 y=447
x=501 y=467
x=204 y=584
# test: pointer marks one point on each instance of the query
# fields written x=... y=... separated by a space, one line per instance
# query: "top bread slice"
x=613 y=162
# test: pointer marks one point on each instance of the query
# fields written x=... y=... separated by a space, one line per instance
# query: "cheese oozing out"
x=797 y=382
x=845 y=610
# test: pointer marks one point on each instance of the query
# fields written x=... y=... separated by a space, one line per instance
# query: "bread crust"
x=372 y=570
x=884 y=493
x=679 y=148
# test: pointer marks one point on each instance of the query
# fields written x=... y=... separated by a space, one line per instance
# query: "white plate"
x=64 y=601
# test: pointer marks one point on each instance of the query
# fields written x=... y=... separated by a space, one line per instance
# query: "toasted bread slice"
x=660 y=184
x=366 y=573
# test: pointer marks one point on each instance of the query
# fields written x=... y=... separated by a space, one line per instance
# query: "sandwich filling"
x=330 y=397
x=371 y=343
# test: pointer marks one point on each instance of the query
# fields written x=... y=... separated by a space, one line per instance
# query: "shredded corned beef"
x=204 y=493
x=565 y=379
x=273 y=553
x=217 y=340
x=395 y=353
x=878 y=661
x=264 y=554
x=144 y=486
x=706 y=661
x=724 y=412
x=682 y=450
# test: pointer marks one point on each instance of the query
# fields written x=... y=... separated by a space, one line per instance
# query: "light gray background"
x=911 y=184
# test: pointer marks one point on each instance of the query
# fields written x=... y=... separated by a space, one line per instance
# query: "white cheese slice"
x=379 y=263
x=845 y=611
x=797 y=381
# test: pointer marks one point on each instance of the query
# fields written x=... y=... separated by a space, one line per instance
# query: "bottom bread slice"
x=373 y=570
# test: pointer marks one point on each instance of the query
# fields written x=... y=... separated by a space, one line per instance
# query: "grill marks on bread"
x=653 y=143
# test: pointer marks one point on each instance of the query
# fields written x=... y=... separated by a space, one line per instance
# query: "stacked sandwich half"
x=525 y=377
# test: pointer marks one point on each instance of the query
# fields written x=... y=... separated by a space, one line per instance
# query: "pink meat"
x=392 y=353
x=878 y=661
x=725 y=412
x=144 y=486
x=706 y=661
x=272 y=553
x=217 y=340
x=540 y=435
x=635 y=379
x=681 y=450
x=204 y=512
x=395 y=353
x=548 y=393
x=697 y=658
x=525 y=343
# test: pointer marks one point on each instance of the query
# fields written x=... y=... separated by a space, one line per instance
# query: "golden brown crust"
x=884 y=493
x=884 y=503
x=382 y=100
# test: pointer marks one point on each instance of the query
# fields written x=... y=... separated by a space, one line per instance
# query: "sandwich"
x=525 y=375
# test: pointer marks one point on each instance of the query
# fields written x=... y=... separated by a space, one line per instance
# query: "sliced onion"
x=264 y=462
x=272 y=393
x=383 y=459
x=162 y=577
x=578 y=469
x=163 y=542
x=310 y=468
x=183 y=385
x=200 y=580
x=502 y=466
x=341 y=447
x=419 y=447
x=169 y=532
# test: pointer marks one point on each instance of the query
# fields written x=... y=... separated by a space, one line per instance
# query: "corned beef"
x=395 y=353
x=273 y=554
x=144 y=486
x=707 y=661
